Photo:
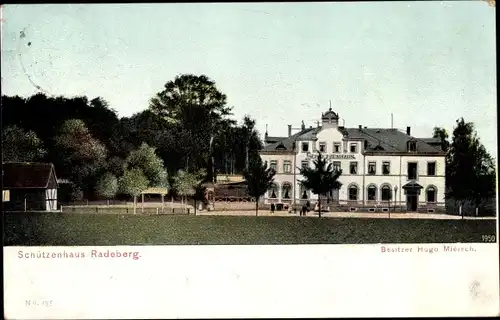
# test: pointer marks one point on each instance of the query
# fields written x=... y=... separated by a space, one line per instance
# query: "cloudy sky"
x=427 y=63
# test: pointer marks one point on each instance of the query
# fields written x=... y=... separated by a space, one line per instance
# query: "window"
x=353 y=168
x=386 y=192
x=412 y=146
x=322 y=147
x=336 y=165
x=305 y=163
x=412 y=171
x=287 y=166
x=386 y=167
x=336 y=147
x=305 y=146
x=431 y=194
x=273 y=192
x=366 y=144
x=273 y=165
x=353 y=192
x=431 y=168
x=372 y=168
x=372 y=192
x=353 y=147
x=304 y=193
x=286 y=190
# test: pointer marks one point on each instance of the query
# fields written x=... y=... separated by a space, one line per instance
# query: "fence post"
x=156 y=210
x=460 y=211
x=477 y=211
x=96 y=209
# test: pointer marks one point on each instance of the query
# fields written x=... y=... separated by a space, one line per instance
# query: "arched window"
x=273 y=191
x=353 y=192
x=372 y=192
x=431 y=194
x=304 y=193
x=386 y=192
x=286 y=190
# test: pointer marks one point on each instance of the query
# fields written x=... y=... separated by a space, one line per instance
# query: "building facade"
x=382 y=169
x=32 y=186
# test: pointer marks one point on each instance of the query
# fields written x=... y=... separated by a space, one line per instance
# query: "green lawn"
x=69 y=229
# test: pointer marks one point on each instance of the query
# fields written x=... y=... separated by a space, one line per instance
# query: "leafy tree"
x=187 y=183
x=151 y=165
x=175 y=103
x=81 y=156
x=258 y=178
x=193 y=106
x=442 y=134
x=132 y=183
x=21 y=146
x=76 y=193
x=321 y=179
x=107 y=186
x=471 y=169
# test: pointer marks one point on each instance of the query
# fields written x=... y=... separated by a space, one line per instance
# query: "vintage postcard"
x=249 y=160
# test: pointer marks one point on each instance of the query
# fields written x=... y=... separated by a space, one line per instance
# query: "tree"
x=470 y=166
x=258 y=178
x=21 y=146
x=132 y=183
x=442 y=134
x=194 y=108
x=187 y=183
x=107 y=186
x=81 y=156
x=151 y=165
x=321 y=179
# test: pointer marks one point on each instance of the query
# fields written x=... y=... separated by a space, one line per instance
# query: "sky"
x=427 y=63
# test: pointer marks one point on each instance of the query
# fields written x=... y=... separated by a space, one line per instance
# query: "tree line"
x=185 y=136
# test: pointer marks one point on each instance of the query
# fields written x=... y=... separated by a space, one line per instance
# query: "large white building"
x=382 y=169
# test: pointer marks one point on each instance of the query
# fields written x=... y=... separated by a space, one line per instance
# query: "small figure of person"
x=272 y=207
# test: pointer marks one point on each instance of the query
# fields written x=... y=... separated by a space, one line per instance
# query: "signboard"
x=335 y=156
x=5 y=195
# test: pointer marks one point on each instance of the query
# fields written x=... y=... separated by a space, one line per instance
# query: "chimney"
x=303 y=126
x=289 y=130
x=408 y=131
x=360 y=127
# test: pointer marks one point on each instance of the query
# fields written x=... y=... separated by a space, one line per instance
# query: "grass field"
x=64 y=229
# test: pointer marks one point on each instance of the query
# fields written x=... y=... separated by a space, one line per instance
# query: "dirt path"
x=346 y=215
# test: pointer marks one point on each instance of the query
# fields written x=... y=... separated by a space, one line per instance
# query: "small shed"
x=31 y=186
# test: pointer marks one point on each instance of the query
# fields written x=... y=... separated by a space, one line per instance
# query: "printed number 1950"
x=488 y=238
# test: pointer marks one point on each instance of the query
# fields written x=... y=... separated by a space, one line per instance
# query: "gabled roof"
x=27 y=175
x=390 y=140
x=286 y=143
x=377 y=140
x=274 y=139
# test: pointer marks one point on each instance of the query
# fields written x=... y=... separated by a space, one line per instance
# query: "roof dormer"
x=411 y=145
